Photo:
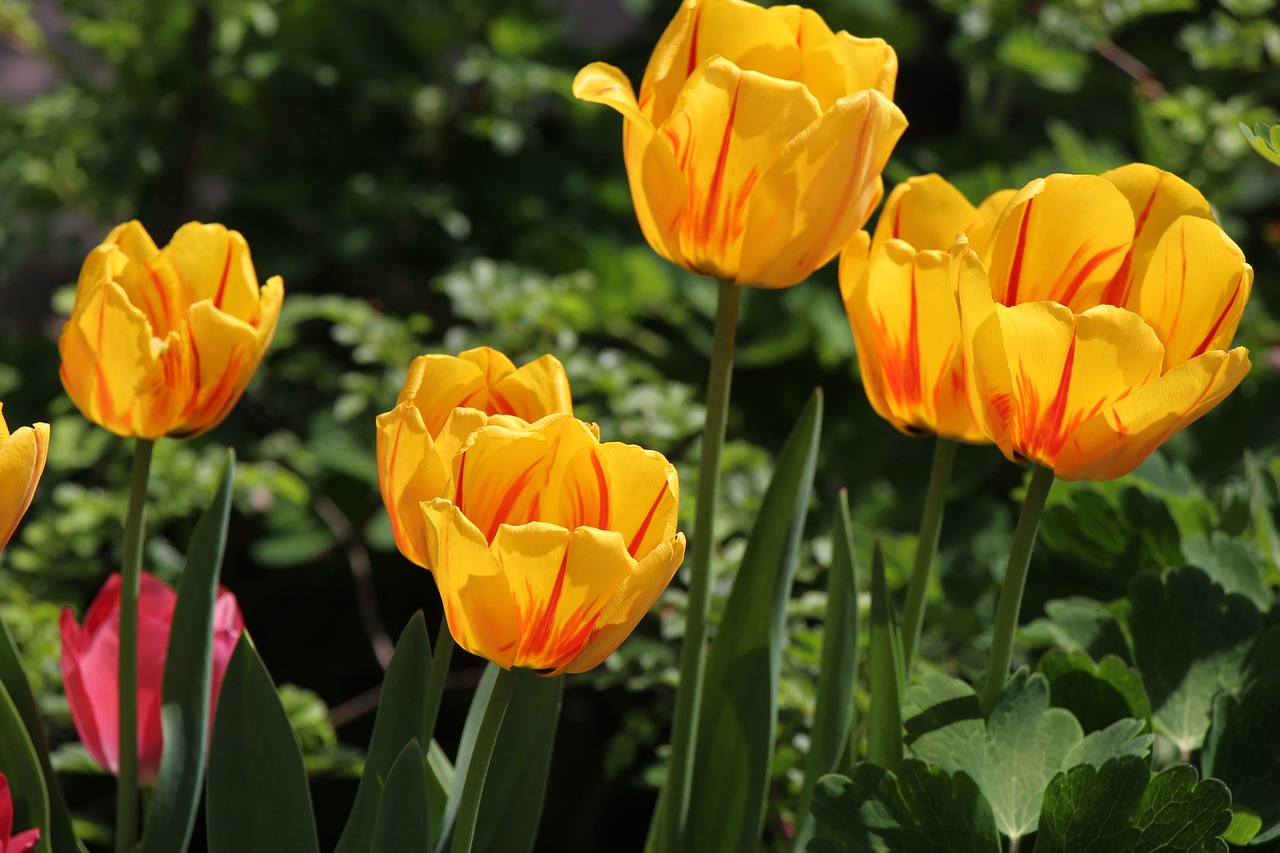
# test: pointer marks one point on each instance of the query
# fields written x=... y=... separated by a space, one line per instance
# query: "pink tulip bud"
x=90 y=668
x=10 y=843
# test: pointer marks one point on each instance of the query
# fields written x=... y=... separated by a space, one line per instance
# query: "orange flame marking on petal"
x=160 y=290
x=1118 y=289
x=1069 y=292
x=510 y=497
x=222 y=282
x=604 y=492
x=1050 y=431
x=901 y=361
x=1217 y=324
x=1015 y=268
x=105 y=404
x=634 y=546
x=546 y=645
x=852 y=183
x=693 y=42
x=503 y=405
x=703 y=225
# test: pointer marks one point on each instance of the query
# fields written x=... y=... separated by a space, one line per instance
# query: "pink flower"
x=10 y=843
x=90 y=667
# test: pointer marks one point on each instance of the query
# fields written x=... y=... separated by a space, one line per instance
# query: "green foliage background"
x=420 y=175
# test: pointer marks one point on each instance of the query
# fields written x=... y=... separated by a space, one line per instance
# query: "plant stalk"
x=1015 y=581
x=439 y=670
x=131 y=571
x=935 y=503
x=473 y=786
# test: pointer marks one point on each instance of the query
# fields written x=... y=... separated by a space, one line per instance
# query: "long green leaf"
x=188 y=674
x=884 y=717
x=256 y=794
x=403 y=824
x=516 y=784
x=740 y=693
x=439 y=786
x=13 y=676
x=402 y=714
x=830 y=737
x=21 y=766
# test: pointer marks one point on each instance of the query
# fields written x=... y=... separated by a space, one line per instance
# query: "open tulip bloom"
x=1097 y=323
x=22 y=458
x=755 y=147
x=164 y=341
x=415 y=449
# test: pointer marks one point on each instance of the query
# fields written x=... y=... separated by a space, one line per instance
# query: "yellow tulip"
x=755 y=148
x=22 y=457
x=164 y=341
x=548 y=546
x=473 y=389
x=1086 y=388
x=897 y=292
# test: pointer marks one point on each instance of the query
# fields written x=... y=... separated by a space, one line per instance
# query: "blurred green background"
x=419 y=174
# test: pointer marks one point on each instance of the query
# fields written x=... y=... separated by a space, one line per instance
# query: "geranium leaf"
x=1097 y=694
x=1241 y=750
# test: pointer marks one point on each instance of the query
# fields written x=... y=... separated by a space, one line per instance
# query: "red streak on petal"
x=1072 y=288
x=1217 y=324
x=222 y=283
x=693 y=42
x=539 y=634
x=707 y=221
x=509 y=498
x=1015 y=267
x=644 y=525
x=603 y=485
x=1048 y=434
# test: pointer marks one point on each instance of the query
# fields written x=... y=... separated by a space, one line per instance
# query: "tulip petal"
x=81 y=682
x=6 y=810
x=1117 y=440
x=214 y=264
x=658 y=187
x=223 y=352
x=1157 y=199
x=1194 y=290
x=630 y=602
x=823 y=188
x=478 y=604
x=22 y=459
x=1061 y=238
x=726 y=132
x=987 y=379
x=927 y=213
x=145 y=274
x=836 y=64
x=623 y=488
x=537 y=389
x=409 y=472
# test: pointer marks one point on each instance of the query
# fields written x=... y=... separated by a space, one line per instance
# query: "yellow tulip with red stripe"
x=22 y=457
x=897 y=291
x=549 y=546
x=755 y=147
x=164 y=341
x=1060 y=376
x=474 y=388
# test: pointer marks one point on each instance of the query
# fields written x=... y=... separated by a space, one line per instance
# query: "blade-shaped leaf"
x=829 y=739
x=256 y=796
x=740 y=693
x=21 y=765
x=403 y=824
x=884 y=717
x=188 y=674
x=402 y=715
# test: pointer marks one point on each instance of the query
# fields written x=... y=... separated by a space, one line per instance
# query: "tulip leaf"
x=256 y=796
x=830 y=738
x=1120 y=808
x=740 y=693
x=1190 y=639
x=13 y=677
x=511 y=805
x=920 y=809
x=403 y=823
x=1012 y=755
x=188 y=675
x=1240 y=750
x=884 y=717
x=1096 y=694
x=402 y=716
x=21 y=765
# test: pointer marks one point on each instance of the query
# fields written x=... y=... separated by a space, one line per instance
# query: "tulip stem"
x=935 y=503
x=481 y=753
x=439 y=669
x=684 y=733
x=1015 y=581
x=131 y=571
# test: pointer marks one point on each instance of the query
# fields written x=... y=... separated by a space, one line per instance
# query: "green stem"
x=1015 y=580
x=935 y=503
x=473 y=786
x=684 y=731
x=130 y=574
x=439 y=669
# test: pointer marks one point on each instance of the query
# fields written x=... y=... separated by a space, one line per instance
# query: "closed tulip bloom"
x=164 y=341
x=22 y=458
x=475 y=387
x=91 y=659
x=897 y=291
x=10 y=843
x=755 y=147
x=1086 y=388
x=548 y=546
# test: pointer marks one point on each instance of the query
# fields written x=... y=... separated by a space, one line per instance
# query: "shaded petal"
x=1157 y=199
x=477 y=599
x=82 y=684
x=988 y=383
x=1194 y=290
x=835 y=65
x=214 y=264
x=6 y=809
x=1117 y=440
x=223 y=353
x=630 y=602
x=1061 y=238
x=271 y=300
x=823 y=188
x=22 y=459
x=927 y=213
x=623 y=488
x=988 y=215
x=410 y=471
x=727 y=131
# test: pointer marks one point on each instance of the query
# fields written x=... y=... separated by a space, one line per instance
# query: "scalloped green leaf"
x=1097 y=694
x=1243 y=750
